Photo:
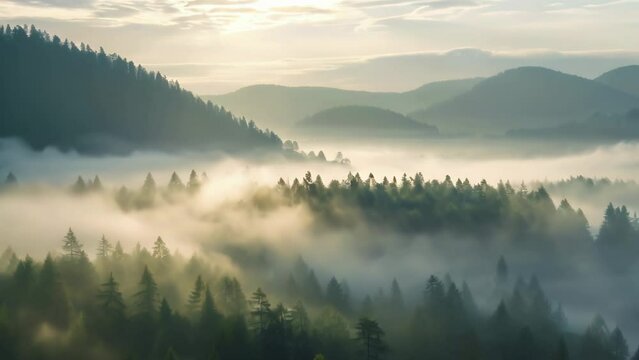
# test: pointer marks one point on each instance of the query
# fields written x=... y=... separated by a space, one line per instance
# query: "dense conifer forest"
x=159 y=304
x=137 y=305
x=56 y=93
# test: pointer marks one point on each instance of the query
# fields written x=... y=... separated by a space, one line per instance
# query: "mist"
x=233 y=225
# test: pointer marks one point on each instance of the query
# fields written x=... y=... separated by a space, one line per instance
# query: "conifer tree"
x=194 y=182
x=618 y=345
x=397 y=300
x=194 y=302
x=369 y=336
x=175 y=183
x=260 y=311
x=160 y=251
x=72 y=247
x=118 y=252
x=104 y=248
x=79 y=186
x=51 y=299
x=110 y=298
x=147 y=296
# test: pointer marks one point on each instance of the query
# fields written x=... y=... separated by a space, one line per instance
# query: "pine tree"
x=104 y=248
x=299 y=318
x=194 y=302
x=50 y=295
x=370 y=335
x=175 y=183
x=147 y=297
x=96 y=185
x=110 y=298
x=160 y=251
x=209 y=317
x=397 y=300
x=260 y=311
x=334 y=295
x=618 y=345
x=118 y=252
x=72 y=247
x=194 y=182
x=79 y=186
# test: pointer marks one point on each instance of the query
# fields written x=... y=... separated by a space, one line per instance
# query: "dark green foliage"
x=147 y=297
x=110 y=299
x=56 y=94
x=562 y=351
x=618 y=240
x=51 y=300
x=370 y=336
x=416 y=206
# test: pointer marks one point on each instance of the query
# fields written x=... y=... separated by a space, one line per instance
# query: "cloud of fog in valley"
x=227 y=223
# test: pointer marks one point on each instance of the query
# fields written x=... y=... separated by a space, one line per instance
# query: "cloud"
x=57 y=3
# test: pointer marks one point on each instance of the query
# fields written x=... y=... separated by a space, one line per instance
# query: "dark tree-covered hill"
x=54 y=93
x=364 y=121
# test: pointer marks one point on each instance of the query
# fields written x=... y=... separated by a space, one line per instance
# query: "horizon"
x=218 y=46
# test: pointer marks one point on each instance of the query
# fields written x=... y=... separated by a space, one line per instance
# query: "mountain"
x=624 y=78
x=280 y=107
x=358 y=121
x=599 y=127
x=527 y=97
x=53 y=93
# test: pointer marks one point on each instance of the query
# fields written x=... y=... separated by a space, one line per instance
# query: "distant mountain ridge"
x=527 y=97
x=625 y=79
x=359 y=121
x=53 y=93
x=280 y=107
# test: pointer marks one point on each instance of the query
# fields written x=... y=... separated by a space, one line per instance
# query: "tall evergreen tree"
x=160 y=251
x=72 y=247
x=397 y=300
x=104 y=248
x=370 y=337
x=147 y=296
x=51 y=299
x=260 y=311
x=110 y=299
x=194 y=302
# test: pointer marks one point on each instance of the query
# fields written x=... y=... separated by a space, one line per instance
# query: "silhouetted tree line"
x=149 y=193
x=54 y=93
x=412 y=205
x=140 y=305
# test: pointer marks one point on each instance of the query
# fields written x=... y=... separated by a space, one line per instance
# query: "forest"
x=156 y=303
x=134 y=305
x=55 y=93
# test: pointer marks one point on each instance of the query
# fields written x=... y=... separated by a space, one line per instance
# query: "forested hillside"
x=363 y=121
x=152 y=304
x=529 y=98
x=55 y=93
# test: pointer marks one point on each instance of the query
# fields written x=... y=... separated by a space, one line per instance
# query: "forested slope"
x=54 y=93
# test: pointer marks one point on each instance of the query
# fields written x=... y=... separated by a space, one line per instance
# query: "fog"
x=231 y=223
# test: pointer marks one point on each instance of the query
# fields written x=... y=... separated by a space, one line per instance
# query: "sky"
x=216 y=46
